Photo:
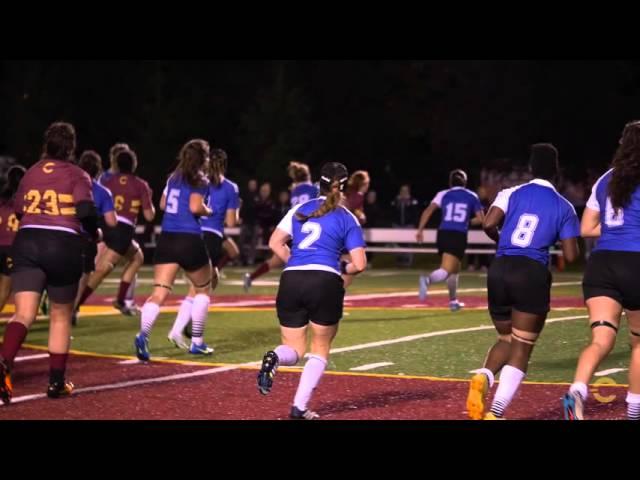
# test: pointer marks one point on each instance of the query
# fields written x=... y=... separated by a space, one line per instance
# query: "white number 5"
x=314 y=230
x=172 y=201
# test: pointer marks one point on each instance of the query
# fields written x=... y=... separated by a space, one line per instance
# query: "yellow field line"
x=293 y=370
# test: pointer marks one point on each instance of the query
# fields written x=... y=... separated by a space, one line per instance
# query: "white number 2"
x=611 y=218
x=523 y=234
x=172 y=201
x=314 y=230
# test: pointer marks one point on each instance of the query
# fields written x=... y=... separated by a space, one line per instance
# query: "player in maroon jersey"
x=131 y=195
x=357 y=188
x=8 y=228
x=55 y=203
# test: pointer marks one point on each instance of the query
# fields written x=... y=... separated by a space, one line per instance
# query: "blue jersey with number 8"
x=620 y=230
x=318 y=243
x=536 y=217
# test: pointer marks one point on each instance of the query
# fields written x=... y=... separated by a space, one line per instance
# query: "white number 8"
x=523 y=234
x=314 y=230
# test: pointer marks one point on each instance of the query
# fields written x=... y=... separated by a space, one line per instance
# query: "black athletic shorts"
x=452 y=242
x=185 y=249
x=119 y=238
x=5 y=260
x=309 y=296
x=613 y=274
x=89 y=254
x=213 y=244
x=47 y=259
x=518 y=283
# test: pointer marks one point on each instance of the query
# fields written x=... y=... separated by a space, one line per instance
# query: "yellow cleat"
x=491 y=416
x=6 y=387
x=478 y=388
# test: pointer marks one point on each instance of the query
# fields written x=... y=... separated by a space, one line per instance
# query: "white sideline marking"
x=371 y=366
x=146 y=381
x=611 y=371
x=228 y=368
x=255 y=283
x=133 y=361
x=439 y=333
x=414 y=293
x=31 y=357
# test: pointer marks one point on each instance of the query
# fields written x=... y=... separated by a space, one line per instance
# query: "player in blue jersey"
x=610 y=279
x=460 y=207
x=224 y=202
x=525 y=221
x=181 y=245
x=302 y=190
x=311 y=292
x=91 y=163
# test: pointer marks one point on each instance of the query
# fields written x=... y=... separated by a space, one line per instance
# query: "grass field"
x=386 y=332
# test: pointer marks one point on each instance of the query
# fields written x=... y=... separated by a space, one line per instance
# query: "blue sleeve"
x=234 y=199
x=477 y=206
x=106 y=202
x=204 y=191
x=570 y=227
x=354 y=237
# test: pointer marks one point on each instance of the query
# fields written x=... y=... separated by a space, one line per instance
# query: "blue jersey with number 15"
x=318 y=243
x=458 y=206
x=536 y=217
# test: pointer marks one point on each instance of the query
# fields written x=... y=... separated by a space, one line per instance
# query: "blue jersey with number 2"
x=318 y=243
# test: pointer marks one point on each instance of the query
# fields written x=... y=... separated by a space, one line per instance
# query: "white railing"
x=478 y=241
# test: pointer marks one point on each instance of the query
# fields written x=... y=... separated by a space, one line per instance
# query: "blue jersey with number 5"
x=620 y=230
x=318 y=243
x=177 y=215
x=536 y=217
x=458 y=206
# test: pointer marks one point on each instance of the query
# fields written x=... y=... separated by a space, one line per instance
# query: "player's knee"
x=215 y=275
x=504 y=338
x=524 y=337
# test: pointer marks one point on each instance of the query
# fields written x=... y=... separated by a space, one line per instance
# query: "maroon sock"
x=223 y=261
x=261 y=270
x=57 y=367
x=86 y=294
x=14 y=335
x=122 y=292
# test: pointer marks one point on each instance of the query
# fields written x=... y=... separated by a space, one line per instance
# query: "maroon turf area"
x=232 y=395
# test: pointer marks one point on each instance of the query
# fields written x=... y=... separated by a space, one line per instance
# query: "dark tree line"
x=402 y=120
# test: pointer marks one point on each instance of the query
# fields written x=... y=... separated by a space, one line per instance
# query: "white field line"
x=212 y=371
x=439 y=333
x=371 y=366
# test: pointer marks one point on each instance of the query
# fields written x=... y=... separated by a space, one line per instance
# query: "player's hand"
x=420 y=236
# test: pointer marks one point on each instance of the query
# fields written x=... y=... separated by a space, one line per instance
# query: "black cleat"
x=187 y=331
x=6 y=388
x=125 y=310
x=44 y=303
x=297 y=414
x=267 y=372
x=59 y=389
